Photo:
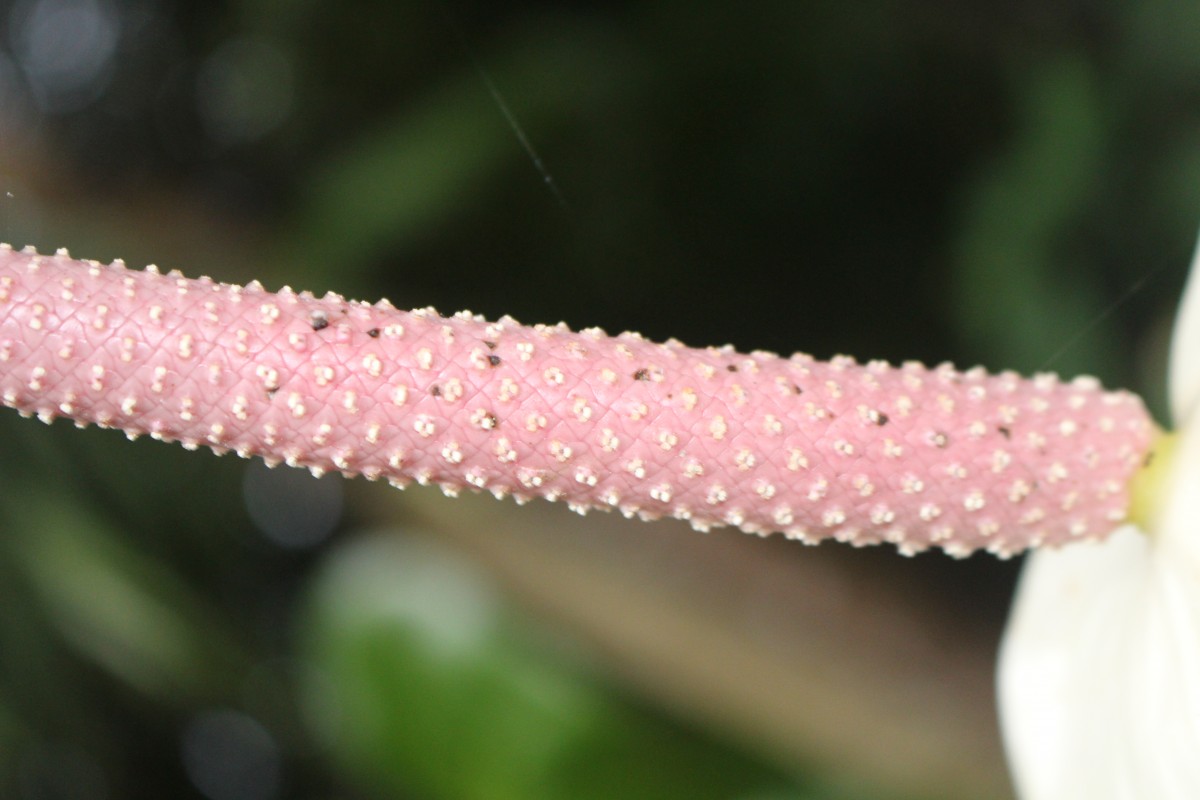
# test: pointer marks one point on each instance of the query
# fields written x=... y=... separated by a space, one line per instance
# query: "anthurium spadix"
x=1100 y=667
x=862 y=453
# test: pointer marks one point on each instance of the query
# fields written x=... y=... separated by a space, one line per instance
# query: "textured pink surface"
x=860 y=453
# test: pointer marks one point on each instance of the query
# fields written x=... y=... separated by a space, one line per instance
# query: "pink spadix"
x=861 y=453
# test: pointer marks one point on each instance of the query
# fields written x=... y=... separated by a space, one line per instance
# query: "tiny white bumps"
x=868 y=453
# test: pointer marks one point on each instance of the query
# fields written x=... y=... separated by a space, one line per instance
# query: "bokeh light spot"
x=244 y=90
x=290 y=507
x=230 y=756
x=65 y=49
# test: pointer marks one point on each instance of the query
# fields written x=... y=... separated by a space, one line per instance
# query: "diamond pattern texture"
x=862 y=453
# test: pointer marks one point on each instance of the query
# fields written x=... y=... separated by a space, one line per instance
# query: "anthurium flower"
x=1100 y=667
x=861 y=453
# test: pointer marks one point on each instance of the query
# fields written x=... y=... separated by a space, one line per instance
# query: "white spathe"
x=1099 y=675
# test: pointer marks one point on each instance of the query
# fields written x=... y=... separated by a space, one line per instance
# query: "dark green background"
x=1016 y=185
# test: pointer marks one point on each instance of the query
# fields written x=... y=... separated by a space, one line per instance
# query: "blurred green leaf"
x=117 y=608
x=1014 y=295
x=403 y=181
x=428 y=682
